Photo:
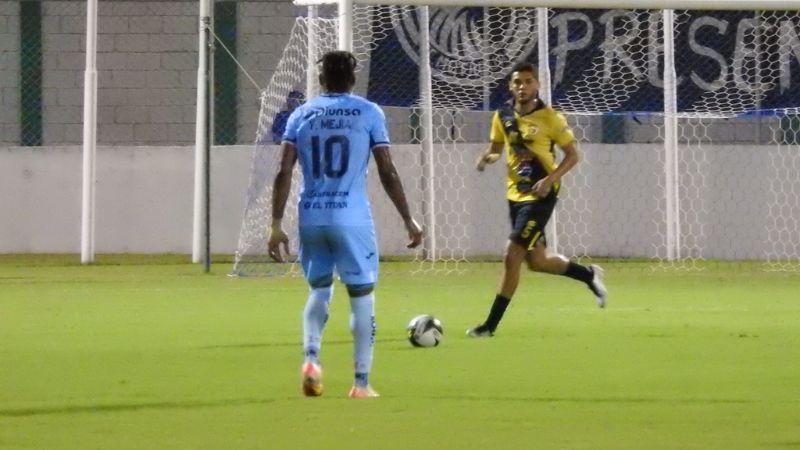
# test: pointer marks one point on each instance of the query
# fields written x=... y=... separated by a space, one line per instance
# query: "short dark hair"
x=338 y=72
x=524 y=67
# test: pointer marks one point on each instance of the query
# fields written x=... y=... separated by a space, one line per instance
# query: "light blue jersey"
x=334 y=135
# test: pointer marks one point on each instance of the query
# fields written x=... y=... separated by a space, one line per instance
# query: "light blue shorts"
x=352 y=251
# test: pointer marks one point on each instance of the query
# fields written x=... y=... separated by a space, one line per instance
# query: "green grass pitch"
x=154 y=354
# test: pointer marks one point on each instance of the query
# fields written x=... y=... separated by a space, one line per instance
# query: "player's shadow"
x=197 y=404
x=125 y=407
x=291 y=344
x=620 y=400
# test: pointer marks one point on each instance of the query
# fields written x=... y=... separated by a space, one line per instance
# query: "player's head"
x=524 y=82
x=337 y=72
x=294 y=99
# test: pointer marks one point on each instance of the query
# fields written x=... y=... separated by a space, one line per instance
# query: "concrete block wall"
x=264 y=30
x=147 y=68
x=63 y=62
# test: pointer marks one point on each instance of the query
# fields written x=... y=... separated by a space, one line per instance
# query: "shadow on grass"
x=619 y=400
x=290 y=344
x=193 y=404
x=126 y=407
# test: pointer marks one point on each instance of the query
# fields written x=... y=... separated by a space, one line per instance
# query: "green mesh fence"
x=225 y=74
x=30 y=26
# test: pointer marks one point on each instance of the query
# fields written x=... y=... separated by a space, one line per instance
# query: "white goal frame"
x=689 y=195
x=670 y=151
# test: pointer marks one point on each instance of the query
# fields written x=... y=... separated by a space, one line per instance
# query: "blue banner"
x=600 y=60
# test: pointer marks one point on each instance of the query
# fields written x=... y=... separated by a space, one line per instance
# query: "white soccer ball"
x=425 y=331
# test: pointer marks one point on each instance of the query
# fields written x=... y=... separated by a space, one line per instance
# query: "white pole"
x=426 y=122
x=312 y=81
x=542 y=26
x=545 y=94
x=671 y=139
x=346 y=25
x=759 y=39
x=89 y=134
x=200 y=134
x=487 y=70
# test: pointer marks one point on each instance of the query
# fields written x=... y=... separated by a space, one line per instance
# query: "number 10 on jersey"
x=323 y=159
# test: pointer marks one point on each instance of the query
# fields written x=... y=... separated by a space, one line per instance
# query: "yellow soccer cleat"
x=312 y=379
x=362 y=392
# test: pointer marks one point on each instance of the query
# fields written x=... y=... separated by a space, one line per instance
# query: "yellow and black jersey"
x=530 y=152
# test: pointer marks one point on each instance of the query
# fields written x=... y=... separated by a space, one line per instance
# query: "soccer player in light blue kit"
x=333 y=136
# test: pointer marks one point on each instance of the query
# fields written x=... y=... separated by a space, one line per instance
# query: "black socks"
x=496 y=313
x=579 y=272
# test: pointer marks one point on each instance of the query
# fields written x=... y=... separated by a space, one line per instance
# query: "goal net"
x=689 y=139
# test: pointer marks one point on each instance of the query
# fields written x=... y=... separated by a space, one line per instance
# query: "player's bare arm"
x=280 y=190
x=490 y=156
x=571 y=158
x=394 y=189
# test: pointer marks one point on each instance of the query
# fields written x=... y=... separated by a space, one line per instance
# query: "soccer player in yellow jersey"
x=528 y=132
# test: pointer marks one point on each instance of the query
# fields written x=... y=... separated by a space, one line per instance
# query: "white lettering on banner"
x=722 y=27
x=789 y=46
x=464 y=52
x=655 y=48
x=614 y=45
x=744 y=53
x=561 y=22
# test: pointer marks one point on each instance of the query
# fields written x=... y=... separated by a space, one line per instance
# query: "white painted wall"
x=611 y=206
x=144 y=198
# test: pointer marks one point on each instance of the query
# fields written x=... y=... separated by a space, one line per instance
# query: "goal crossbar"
x=727 y=5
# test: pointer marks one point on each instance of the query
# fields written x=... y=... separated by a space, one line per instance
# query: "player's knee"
x=321 y=282
x=514 y=256
x=536 y=262
x=360 y=290
x=510 y=263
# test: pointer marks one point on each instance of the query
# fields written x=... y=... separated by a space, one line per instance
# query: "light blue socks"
x=315 y=316
x=362 y=325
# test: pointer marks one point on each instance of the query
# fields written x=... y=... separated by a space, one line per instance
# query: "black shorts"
x=528 y=220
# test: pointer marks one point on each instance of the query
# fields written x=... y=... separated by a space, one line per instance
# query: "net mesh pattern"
x=735 y=188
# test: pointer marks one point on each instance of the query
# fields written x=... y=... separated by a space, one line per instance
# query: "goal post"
x=686 y=120
x=671 y=180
